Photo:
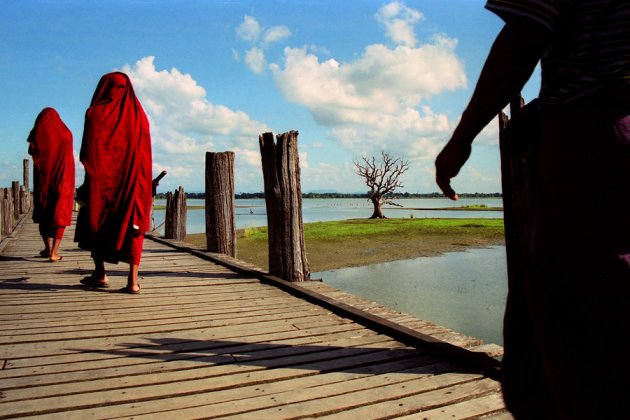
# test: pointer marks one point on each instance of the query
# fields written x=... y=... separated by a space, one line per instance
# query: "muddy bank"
x=328 y=253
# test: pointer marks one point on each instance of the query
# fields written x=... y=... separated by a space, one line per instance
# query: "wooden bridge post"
x=175 y=220
x=23 y=199
x=283 y=198
x=7 y=211
x=15 y=189
x=26 y=183
x=220 y=223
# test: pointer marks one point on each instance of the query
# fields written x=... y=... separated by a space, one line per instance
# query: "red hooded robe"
x=116 y=154
x=50 y=145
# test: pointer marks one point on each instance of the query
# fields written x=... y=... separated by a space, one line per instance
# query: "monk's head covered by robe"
x=49 y=136
x=50 y=145
x=116 y=154
x=112 y=88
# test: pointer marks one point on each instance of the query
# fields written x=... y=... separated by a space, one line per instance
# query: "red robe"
x=116 y=154
x=50 y=145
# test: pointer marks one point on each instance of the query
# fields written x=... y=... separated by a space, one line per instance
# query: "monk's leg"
x=135 y=253
x=54 y=251
x=46 y=251
x=99 y=276
x=132 y=279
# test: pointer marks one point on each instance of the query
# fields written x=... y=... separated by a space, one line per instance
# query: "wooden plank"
x=66 y=360
x=176 y=350
x=230 y=402
x=444 y=385
x=176 y=405
x=482 y=406
x=105 y=342
x=394 y=401
x=281 y=315
x=257 y=357
x=181 y=383
x=102 y=317
x=87 y=327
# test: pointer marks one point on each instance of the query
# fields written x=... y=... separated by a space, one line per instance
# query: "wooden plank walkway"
x=208 y=340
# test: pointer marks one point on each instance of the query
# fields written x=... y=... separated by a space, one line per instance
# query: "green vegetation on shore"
x=352 y=228
x=356 y=242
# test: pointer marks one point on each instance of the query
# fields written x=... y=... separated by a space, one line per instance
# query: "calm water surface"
x=253 y=213
x=464 y=291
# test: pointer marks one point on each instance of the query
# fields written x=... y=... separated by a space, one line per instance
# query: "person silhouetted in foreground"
x=563 y=358
x=117 y=191
x=50 y=145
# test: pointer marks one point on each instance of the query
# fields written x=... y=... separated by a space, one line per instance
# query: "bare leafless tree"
x=383 y=179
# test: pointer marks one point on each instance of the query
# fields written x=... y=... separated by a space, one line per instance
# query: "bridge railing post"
x=7 y=211
x=175 y=218
x=283 y=198
x=220 y=220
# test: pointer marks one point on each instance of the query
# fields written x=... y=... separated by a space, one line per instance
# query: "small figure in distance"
x=50 y=145
x=563 y=318
x=118 y=186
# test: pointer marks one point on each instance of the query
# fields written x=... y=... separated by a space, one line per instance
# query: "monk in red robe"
x=50 y=145
x=117 y=191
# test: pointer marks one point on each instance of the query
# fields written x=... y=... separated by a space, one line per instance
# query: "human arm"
x=511 y=61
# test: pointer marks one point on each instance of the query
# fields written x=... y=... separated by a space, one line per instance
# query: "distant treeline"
x=194 y=195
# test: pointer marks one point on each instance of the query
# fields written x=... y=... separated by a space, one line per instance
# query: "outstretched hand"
x=448 y=163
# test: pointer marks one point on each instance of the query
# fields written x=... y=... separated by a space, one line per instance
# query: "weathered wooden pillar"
x=23 y=199
x=27 y=188
x=175 y=220
x=283 y=198
x=15 y=188
x=26 y=173
x=220 y=223
x=7 y=211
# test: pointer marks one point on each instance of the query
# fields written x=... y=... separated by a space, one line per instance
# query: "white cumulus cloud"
x=380 y=100
x=250 y=30
x=185 y=125
x=276 y=34
x=398 y=20
x=255 y=59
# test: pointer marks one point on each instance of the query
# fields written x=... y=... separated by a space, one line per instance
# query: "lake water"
x=252 y=212
x=464 y=291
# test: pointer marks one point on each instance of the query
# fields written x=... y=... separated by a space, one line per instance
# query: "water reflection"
x=465 y=291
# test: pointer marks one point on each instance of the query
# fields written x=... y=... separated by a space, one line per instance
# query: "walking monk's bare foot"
x=100 y=282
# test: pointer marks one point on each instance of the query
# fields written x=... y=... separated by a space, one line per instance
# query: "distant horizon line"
x=335 y=194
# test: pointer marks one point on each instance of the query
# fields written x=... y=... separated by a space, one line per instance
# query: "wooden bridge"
x=210 y=337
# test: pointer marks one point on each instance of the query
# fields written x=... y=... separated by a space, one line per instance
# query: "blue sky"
x=354 y=77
